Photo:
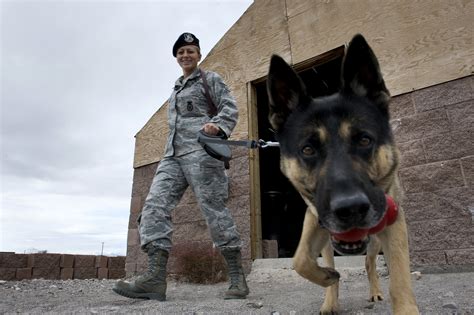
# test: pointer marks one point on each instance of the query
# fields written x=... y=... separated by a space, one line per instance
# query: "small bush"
x=198 y=266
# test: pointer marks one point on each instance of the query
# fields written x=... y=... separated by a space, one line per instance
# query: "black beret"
x=184 y=40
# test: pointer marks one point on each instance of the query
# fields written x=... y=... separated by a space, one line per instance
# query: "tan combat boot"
x=152 y=284
x=238 y=286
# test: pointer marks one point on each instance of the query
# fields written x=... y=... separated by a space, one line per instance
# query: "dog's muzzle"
x=355 y=241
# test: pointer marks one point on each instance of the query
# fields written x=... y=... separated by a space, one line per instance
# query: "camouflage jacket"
x=188 y=111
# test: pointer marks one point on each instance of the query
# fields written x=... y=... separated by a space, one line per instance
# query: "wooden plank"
x=150 y=142
x=254 y=161
x=320 y=59
x=418 y=43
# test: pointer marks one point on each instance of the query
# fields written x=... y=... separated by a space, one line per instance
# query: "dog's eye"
x=364 y=141
x=308 y=150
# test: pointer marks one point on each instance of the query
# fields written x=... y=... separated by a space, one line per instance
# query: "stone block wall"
x=190 y=228
x=60 y=266
x=434 y=128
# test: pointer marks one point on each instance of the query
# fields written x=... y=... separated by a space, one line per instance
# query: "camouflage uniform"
x=185 y=163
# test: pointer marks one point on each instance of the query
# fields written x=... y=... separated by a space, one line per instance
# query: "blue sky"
x=78 y=81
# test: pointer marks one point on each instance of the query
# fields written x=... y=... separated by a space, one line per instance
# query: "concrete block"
x=431 y=235
x=84 y=261
x=141 y=187
x=132 y=253
x=67 y=273
x=102 y=273
x=441 y=95
x=101 y=261
x=239 y=167
x=51 y=273
x=246 y=246
x=24 y=273
x=145 y=172
x=239 y=186
x=239 y=151
x=85 y=272
x=133 y=237
x=7 y=274
x=401 y=106
x=47 y=261
x=452 y=145
x=185 y=213
x=116 y=273
x=460 y=257
x=239 y=206
x=67 y=261
x=116 y=262
x=412 y=153
x=136 y=204
x=422 y=125
x=461 y=115
x=432 y=177
x=427 y=258
x=130 y=269
x=188 y=198
x=270 y=248
x=132 y=220
x=439 y=204
x=12 y=260
x=467 y=164
x=191 y=231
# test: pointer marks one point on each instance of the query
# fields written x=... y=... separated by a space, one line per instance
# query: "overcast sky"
x=79 y=78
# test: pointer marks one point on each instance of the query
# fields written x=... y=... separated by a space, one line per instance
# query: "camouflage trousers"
x=206 y=176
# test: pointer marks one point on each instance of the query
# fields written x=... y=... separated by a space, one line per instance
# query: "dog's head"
x=336 y=150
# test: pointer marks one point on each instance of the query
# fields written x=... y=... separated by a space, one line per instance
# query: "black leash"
x=218 y=146
x=251 y=144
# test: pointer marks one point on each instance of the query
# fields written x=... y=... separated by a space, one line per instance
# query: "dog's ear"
x=285 y=89
x=361 y=73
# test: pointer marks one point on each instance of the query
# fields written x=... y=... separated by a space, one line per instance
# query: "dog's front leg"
x=331 y=300
x=395 y=247
x=313 y=240
x=371 y=268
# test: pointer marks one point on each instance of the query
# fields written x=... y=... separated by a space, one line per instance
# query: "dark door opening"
x=282 y=208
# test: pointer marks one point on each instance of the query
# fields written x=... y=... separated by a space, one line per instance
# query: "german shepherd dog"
x=338 y=152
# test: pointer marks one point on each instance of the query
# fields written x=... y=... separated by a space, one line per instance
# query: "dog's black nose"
x=353 y=207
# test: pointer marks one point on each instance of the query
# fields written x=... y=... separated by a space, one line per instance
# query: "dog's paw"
x=330 y=308
x=374 y=297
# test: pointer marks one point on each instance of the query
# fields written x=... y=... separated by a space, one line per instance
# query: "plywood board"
x=151 y=140
x=418 y=43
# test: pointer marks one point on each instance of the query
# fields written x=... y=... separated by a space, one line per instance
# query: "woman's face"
x=188 y=57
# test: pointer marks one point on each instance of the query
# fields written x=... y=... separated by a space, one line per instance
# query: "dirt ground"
x=275 y=289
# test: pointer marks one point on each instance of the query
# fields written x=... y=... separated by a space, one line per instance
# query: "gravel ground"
x=275 y=289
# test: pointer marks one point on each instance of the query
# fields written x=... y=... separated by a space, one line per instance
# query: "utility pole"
x=102 y=251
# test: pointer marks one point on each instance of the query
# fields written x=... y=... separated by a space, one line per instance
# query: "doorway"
x=282 y=209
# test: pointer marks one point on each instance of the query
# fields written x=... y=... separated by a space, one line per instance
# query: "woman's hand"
x=211 y=129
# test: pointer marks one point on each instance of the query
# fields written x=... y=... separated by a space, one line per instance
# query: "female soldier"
x=185 y=163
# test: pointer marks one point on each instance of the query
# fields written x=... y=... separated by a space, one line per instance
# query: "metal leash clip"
x=265 y=144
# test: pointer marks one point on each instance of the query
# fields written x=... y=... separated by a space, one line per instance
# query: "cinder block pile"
x=60 y=266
